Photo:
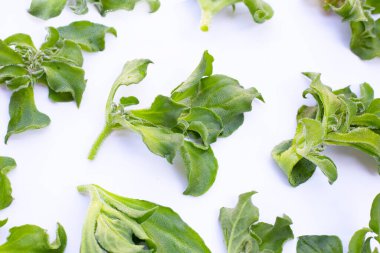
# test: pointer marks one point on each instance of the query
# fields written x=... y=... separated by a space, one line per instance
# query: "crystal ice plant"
x=198 y=112
x=57 y=64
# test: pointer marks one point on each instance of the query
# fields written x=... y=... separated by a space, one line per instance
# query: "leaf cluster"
x=365 y=28
x=57 y=64
x=199 y=110
x=340 y=118
x=46 y=9
x=259 y=9
x=119 y=224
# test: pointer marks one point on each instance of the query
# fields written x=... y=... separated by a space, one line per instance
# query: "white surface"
x=300 y=37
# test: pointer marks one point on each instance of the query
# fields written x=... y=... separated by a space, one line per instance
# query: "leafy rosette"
x=57 y=64
x=340 y=118
x=199 y=110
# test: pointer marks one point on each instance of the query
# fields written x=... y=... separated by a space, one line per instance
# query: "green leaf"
x=51 y=39
x=205 y=123
x=226 y=98
x=8 y=56
x=46 y=9
x=69 y=53
x=358 y=240
x=64 y=78
x=369 y=120
x=6 y=165
x=259 y=10
x=24 y=114
x=374 y=107
x=365 y=38
x=201 y=168
x=163 y=112
x=33 y=239
x=375 y=5
x=160 y=141
x=128 y=101
x=20 y=40
x=119 y=224
x=272 y=237
x=236 y=223
x=12 y=71
x=297 y=168
x=133 y=72
x=89 y=36
x=3 y=222
x=326 y=165
x=19 y=83
x=319 y=244
x=105 y=6
x=188 y=88
x=360 y=138
x=374 y=223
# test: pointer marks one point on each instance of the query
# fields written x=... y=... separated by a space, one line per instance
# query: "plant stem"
x=102 y=136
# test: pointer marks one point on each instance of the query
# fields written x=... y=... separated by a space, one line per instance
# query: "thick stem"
x=102 y=136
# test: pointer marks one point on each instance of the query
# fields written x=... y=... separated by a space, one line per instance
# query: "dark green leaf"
x=226 y=98
x=161 y=141
x=204 y=122
x=33 y=239
x=6 y=165
x=188 y=88
x=163 y=112
x=65 y=78
x=46 y=9
x=319 y=244
x=119 y=224
x=201 y=168
x=272 y=237
x=24 y=114
x=89 y=36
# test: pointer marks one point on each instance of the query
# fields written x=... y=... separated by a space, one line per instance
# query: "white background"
x=270 y=57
